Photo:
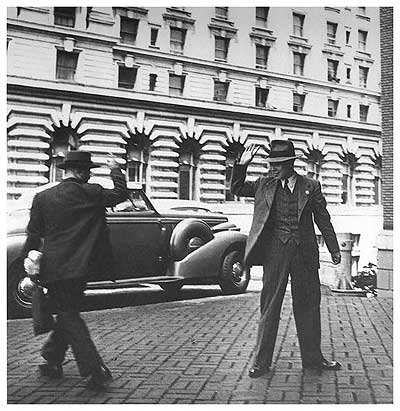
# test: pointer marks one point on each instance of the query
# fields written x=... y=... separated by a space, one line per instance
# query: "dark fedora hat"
x=281 y=150
x=77 y=159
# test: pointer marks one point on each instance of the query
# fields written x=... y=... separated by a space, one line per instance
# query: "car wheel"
x=172 y=288
x=19 y=292
x=234 y=276
x=188 y=235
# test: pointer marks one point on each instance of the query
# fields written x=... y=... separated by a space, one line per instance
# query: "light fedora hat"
x=78 y=159
x=281 y=150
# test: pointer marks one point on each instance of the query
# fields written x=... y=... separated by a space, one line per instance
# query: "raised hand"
x=111 y=161
x=336 y=258
x=248 y=154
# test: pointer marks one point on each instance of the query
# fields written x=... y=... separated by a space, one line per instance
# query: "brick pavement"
x=198 y=351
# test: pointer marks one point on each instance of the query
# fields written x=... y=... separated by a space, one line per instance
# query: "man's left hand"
x=336 y=258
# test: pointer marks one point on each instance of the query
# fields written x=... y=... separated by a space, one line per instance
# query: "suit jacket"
x=311 y=204
x=70 y=219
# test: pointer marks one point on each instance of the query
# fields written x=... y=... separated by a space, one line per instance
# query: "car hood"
x=17 y=221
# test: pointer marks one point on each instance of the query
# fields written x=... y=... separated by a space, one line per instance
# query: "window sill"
x=61 y=80
x=220 y=60
x=299 y=38
x=154 y=47
x=361 y=17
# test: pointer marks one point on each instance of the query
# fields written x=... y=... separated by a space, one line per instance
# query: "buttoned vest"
x=284 y=215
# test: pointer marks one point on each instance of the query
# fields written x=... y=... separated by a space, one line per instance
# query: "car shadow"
x=142 y=295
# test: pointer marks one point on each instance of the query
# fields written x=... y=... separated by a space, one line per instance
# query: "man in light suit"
x=70 y=220
x=282 y=239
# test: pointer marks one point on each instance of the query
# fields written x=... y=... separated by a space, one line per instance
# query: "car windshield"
x=135 y=202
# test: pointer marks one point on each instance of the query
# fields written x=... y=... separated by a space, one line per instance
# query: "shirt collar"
x=291 y=182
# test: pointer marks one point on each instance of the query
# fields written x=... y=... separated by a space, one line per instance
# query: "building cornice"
x=41 y=89
x=60 y=31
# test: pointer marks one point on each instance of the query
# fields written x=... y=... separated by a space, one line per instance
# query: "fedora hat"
x=77 y=159
x=281 y=150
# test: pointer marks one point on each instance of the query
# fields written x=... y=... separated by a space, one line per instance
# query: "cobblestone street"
x=198 y=351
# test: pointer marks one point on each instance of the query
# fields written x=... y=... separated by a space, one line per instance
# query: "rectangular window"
x=262 y=16
x=261 y=96
x=348 y=73
x=133 y=171
x=176 y=84
x=152 y=81
x=298 y=102
x=363 y=113
x=261 y=56
x=345 y=188
x=298 y=64
x=64 y=16
x=362 y=40
x=332 y=70
x=128 y=30
x=348 y=32
x=220 y=90
x=221 y=12
x=228 y=176
x=153 y=36
x=361 y=10
x=126 y=77
x=298 y=23
x=177 y=40
x=331 y=32
x=332 y=107
x=363 y=72
x=376 y=190
x=66 y=65
x=348 y=111
x=221 y=48
x=184 y=181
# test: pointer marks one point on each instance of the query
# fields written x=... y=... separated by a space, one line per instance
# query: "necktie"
x=286 y=187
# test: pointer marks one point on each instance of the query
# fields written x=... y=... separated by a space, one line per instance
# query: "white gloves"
x=32 y=262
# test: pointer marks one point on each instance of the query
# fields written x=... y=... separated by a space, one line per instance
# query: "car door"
x=137 y=238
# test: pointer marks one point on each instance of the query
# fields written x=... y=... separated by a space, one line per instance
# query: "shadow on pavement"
x=142 y=295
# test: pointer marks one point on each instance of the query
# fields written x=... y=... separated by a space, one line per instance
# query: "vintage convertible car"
x=170 y=249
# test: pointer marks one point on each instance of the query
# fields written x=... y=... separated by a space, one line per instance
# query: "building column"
x=385 y=260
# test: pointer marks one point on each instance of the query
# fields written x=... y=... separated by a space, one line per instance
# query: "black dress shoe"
x=100 y=379
x=53 y=371
x=257 y=371
x=324 y=365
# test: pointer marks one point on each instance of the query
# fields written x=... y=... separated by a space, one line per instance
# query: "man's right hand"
x=111 y=161
x=248 y=154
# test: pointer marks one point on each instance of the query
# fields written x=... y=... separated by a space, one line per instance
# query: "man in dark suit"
x=282 y=239
x=69 y=219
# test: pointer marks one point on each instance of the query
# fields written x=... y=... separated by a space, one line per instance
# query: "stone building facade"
x=177 y=93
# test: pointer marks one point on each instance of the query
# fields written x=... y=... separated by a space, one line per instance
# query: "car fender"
x=184 y=232
x=15 y=245
x=206 y=261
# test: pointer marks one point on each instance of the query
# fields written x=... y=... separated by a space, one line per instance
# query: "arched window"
x=137 y=159
x=377 y=179
x=189 y=152
x=315 y=159
x=233 y=152
x=349 y=165
x=63 y=139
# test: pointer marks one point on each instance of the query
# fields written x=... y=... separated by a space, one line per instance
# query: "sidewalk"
x=198 y=351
